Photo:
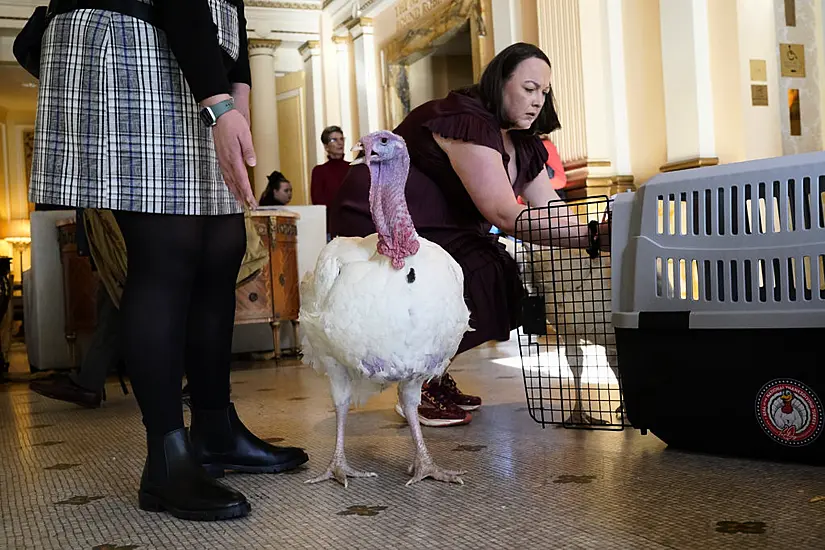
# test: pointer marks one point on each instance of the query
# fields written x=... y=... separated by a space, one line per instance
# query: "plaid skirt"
x=117 y=127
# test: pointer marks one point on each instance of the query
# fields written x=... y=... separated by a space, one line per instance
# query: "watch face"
x=207 y=117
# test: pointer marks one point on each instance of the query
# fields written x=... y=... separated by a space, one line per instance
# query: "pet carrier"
x=567 y=343
x=719 y=309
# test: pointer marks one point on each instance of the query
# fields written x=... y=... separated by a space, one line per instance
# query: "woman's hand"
x=233 y=145
x=240 y=92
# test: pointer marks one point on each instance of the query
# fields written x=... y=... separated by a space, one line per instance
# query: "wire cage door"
x=567 y=342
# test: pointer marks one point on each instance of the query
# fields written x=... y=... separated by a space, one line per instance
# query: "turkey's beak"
x=357 y=148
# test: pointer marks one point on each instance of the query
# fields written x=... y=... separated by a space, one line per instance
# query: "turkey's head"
x=787 y=398
x=386 y=156
x=381 y=147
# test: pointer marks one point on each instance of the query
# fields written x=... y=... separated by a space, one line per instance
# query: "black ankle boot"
x=221 y=442
x=174 y=482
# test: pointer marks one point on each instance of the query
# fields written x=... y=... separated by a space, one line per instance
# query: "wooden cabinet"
x=272 y=296
x=79 y=288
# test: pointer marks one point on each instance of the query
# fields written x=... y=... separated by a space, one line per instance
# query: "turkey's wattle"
x=397 y=238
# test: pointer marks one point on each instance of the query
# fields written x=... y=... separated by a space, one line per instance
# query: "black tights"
x=178 y=310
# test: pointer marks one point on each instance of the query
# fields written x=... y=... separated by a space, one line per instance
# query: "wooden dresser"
x=271 y=296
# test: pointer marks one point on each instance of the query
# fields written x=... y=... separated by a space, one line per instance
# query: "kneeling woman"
x=472 y=154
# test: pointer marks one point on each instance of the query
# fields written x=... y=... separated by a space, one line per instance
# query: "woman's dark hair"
x=274 y=180
x=496 y=75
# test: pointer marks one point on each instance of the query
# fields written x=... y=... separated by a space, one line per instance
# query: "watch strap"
x=222 y=107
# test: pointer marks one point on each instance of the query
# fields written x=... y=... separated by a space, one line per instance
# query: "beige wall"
x=292 y=134
x=530 y=22
x=760 y=125
x=726 y=77
x=14 y=201
x=645 y=88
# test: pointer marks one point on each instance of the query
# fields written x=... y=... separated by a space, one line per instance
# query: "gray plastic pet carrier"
x=719 y=307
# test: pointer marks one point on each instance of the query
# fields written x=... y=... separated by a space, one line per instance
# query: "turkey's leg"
x=577 y=415
x=409 y=395
x=338 y=468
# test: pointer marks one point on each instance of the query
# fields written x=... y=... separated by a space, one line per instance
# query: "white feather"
x=359 y=312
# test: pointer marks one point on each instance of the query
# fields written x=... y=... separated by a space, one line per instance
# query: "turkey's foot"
x=578 y=416
x=423 y=467
x=339 y=470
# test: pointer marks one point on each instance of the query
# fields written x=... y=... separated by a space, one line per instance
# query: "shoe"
x=221 y=442
x=436 y=412
x=174 y=482
x=448 y=389
x=63 y=388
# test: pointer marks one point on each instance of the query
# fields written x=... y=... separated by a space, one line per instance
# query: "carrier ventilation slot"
x=750 y=208
x=772 y=279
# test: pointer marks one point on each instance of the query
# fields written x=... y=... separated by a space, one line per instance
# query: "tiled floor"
x=68 y=479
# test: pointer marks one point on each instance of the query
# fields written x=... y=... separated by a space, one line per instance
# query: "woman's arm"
x=483 y=175
x=193 y=37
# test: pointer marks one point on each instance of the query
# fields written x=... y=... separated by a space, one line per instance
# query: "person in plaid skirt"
x=150 y=119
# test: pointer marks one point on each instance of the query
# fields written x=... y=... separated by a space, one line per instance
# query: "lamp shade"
x=15 y=230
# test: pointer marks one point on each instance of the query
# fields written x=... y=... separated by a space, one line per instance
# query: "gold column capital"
x=307 y=46
x=263 y=43
x=341 y=39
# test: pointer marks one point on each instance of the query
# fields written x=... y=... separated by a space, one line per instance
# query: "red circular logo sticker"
x=789 y=412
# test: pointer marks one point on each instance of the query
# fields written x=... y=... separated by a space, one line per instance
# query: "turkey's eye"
x=411 y=276
x=384 y=141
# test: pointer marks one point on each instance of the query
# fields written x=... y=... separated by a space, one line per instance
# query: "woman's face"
x=524 y=94
x=284 y=194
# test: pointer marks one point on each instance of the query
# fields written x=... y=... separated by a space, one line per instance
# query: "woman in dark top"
x=278 y=190
x=471 y=155
x=152 y=122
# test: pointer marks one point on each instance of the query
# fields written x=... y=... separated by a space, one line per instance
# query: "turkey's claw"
x=579 y=417
x=422 y=469
x=339 y=470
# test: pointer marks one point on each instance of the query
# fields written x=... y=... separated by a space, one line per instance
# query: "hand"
x=233 y=144
x=240 y=92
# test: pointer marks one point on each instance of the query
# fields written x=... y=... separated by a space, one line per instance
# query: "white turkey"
x=383 y=309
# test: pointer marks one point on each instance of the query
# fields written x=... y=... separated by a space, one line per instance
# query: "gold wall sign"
x=794 y=112
x=792 y=58
x=790 y=13
x=407 y=11
x=759 y=95
x=759 y=70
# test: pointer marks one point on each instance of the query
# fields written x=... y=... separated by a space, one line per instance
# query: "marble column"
x=342 y=61
x=366 y=78
x=264 y=110
x=686 y=67
x=315 y=113
x=591 y=92
x=508 y=29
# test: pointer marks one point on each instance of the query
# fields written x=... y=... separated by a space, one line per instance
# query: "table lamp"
x=18 y=234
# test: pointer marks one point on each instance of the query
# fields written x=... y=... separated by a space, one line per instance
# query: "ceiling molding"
x=278 y=4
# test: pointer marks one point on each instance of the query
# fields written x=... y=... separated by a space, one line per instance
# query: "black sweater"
x=193 y=38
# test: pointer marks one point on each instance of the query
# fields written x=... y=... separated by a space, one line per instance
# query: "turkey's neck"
x=397 y=237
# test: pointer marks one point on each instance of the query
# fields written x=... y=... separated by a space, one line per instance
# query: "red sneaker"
x=447 y=387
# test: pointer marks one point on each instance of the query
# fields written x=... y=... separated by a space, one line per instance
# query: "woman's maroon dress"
x=443 y=211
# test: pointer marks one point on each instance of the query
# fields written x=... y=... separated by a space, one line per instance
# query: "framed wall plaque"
x=759 y=95
x=792 y=58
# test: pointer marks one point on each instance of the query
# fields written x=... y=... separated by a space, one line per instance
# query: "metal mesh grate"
x=567 y=343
